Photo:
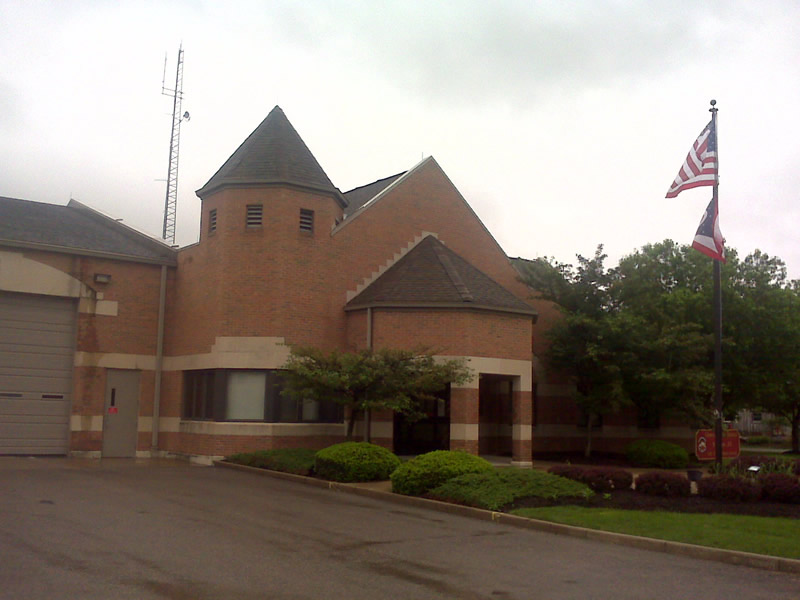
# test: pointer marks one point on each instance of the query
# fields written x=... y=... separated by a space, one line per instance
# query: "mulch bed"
x=631 y=500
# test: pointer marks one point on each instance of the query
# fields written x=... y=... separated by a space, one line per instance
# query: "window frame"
x=211 y=404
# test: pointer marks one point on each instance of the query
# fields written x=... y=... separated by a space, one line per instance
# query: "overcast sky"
x=562 y=123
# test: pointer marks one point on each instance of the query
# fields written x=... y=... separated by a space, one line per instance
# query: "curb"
x=731 y=557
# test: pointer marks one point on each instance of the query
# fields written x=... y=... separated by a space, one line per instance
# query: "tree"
x=642 y=333
x=590 y=344
x=398 y=380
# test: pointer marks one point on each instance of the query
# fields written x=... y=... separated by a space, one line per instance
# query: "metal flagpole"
x=718 y=433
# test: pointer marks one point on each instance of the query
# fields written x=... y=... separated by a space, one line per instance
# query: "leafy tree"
x=393 y=379
x=590 y=344
x=643 y=332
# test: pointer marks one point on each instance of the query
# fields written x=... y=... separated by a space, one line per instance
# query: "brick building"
x=114 y=344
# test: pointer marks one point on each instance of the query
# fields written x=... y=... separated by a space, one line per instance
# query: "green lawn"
x=761 y=535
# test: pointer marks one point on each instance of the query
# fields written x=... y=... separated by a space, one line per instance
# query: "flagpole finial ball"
x=713 y=102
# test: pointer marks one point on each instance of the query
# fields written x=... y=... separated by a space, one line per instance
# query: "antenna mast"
x=171 y=200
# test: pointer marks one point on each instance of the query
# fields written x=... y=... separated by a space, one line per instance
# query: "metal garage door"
x=37 y=340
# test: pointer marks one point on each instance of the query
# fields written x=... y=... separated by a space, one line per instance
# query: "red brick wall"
x=454 y=332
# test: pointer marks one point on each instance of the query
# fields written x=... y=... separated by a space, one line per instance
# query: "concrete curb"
x=732 y=557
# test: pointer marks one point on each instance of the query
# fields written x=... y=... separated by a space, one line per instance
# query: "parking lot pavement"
x=100 y=529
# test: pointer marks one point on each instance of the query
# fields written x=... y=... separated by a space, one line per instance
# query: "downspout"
x=367 y=416
x=162 y=302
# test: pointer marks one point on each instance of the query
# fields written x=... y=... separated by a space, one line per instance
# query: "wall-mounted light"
x=102 y=278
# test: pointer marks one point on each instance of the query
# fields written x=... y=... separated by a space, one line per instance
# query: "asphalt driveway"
x=165 y=529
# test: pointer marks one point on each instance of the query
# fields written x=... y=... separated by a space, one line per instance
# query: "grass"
x=761 y=535
x=498 y=488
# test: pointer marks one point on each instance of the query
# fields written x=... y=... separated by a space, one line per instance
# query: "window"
x=306 y=220
x=250 y=395
x=212 y=220
x=255 y=213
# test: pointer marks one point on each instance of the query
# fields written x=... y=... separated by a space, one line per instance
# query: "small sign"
x=112 y=410
x=705 y=445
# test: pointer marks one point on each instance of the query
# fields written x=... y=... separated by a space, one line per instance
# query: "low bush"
x=780 y=487
x=657 y=454
x=757 y=440
x=569 y=471
x=299 y=461
x=729 y=488
x=766 y=464
x=427 y=471
x=355 y=461
x=495 y=489
x=599 y=479
x=657 y=483
x=607 y=479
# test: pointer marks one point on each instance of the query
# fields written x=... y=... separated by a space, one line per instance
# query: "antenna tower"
x=171 y=200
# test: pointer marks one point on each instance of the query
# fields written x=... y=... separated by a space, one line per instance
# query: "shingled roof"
x=76 y=228
x=358 y=197
x=432 y=275
x=274 y=154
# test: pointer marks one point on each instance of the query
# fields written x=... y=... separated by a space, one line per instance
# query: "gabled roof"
x=359 y=196
x=274 y=154
x=431 y=275
x=77 y=229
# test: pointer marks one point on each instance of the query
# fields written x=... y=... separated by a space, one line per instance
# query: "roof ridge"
x=455 y=277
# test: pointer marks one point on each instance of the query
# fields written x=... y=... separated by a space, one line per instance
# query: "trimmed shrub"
x=767 y=464
x=757 y=440
x=299 y=461
x=355 y=461
x=495 y=489
x=569 y=471
x=603 y=479
x=656 y=483
x=780 y=487
x=427 y=471
x=657 y=454
x=607 y=479
x=729 y=488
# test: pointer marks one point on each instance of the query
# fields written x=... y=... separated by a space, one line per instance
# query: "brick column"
x=522 y=429
x=464 y=419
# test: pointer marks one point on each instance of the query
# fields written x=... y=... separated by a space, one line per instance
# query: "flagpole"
x=718 y=433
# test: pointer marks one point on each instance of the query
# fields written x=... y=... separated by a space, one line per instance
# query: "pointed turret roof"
x=432 y=275
x=274 y=154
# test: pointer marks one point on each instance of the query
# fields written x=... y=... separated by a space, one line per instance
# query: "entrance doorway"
x=495 y=411
x=432 y=432
x=121 y=414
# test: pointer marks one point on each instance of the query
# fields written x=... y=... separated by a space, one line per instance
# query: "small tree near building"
x=398 y=380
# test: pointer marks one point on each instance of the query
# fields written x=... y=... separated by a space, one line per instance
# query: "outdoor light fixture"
x=102 y=278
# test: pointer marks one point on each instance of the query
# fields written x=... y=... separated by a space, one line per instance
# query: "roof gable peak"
x=273 y=154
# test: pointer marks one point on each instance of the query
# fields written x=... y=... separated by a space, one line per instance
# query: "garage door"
x=37 y=339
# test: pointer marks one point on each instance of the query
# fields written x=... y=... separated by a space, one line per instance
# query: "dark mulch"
x=631 y=500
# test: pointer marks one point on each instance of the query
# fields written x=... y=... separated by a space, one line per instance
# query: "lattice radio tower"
x=171 y=200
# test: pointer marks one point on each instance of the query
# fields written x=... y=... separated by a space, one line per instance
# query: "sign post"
x=705 y=444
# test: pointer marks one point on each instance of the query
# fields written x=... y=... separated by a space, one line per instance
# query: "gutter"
x=162 y=302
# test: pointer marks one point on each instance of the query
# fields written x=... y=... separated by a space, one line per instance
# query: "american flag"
x=708 y=238
x=700 y=166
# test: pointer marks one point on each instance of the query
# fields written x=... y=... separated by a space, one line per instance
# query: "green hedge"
x=355 y=461
x=657 y=454
x=427 y=471
x=499 y=488
x=299 y=461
